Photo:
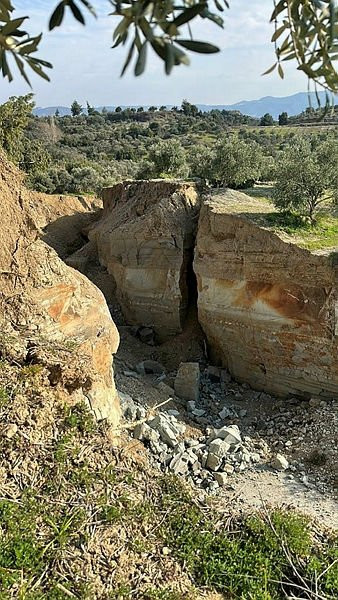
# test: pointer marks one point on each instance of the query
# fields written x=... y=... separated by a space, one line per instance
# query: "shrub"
x=307 y=177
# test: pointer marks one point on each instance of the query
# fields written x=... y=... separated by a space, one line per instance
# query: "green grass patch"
x=311 y=236
x=251 y=559
x=79 y=417
x=321 y=234
x=4 y=397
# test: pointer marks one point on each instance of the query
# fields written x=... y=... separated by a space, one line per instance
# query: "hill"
x=293 y=105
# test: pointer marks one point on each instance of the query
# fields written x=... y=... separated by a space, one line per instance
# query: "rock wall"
x=49 y=313
x=269 y=309
x=145 y=239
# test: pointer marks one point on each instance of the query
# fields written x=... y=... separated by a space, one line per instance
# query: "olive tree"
x=305 y=32
x=201 y=163
x=165 y=158
x=307 y=177
x=236 y=163
x=14 y=117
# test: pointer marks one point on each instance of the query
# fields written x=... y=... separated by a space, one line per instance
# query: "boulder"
x=267 y=307
x=187 y=382
x=145 y=239
x=219 y=447
x=50 y=313
x=230 y=434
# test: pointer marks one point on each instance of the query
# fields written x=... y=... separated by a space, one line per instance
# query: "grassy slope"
x=83 y=519
x=324 y=234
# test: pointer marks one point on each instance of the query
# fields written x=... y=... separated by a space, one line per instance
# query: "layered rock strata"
x=269 y=309
x=145 y=239
x=49 y=313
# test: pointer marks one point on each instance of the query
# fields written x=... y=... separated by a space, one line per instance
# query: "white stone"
x=167 y=430
x=280 y=463
x=229 y=469
x=230 y=434
x=10 y=430
x=198 y=412
x=225 y=413
x=219 y=447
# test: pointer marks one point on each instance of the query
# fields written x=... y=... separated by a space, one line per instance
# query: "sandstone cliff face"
x=64 y=220
x=145 y=239
x=268 y=308
x=49 y=312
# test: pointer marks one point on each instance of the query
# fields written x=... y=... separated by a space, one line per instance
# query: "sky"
x=86 y=68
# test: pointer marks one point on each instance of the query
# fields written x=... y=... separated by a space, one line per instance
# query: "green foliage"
x=251 y=560
x=35 y=158
x=307 y=177
x=236 y=162
x=165 y=158
x=14 y=118
x=322 y=233
x=266 y=120
x=76 y=109
x=201 y=162
x=18 y=44
x=80 y=418
x=167 y=593
x=307 y=33
x=84 y=154
x=283 y=118
x=4 y=397
x=189 y=109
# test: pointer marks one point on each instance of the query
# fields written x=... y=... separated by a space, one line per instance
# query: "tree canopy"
x=306 y=32
x=307 y=177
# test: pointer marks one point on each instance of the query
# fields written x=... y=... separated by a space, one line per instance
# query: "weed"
x=82 y=477
x=166 y=594
x=66 y=448
x=123 y=590
x=251 y=562
x=65 y=526
x=110 y=513
x=4 y=397
x=30 y=372
x=79 y=417
x=19 y=545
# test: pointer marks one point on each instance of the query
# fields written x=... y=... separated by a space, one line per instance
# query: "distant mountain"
x=51 y=110
x=293 y=105
x=65 y=110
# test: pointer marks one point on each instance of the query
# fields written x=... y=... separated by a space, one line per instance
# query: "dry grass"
x=83 y=519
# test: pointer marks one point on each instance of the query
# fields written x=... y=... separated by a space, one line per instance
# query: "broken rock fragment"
x=166 y=428
x=279 y=463
x=187 y=381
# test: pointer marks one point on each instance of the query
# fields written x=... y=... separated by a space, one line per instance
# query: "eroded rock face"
x=268 y=308
x=49 y=312
x=145 y=240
